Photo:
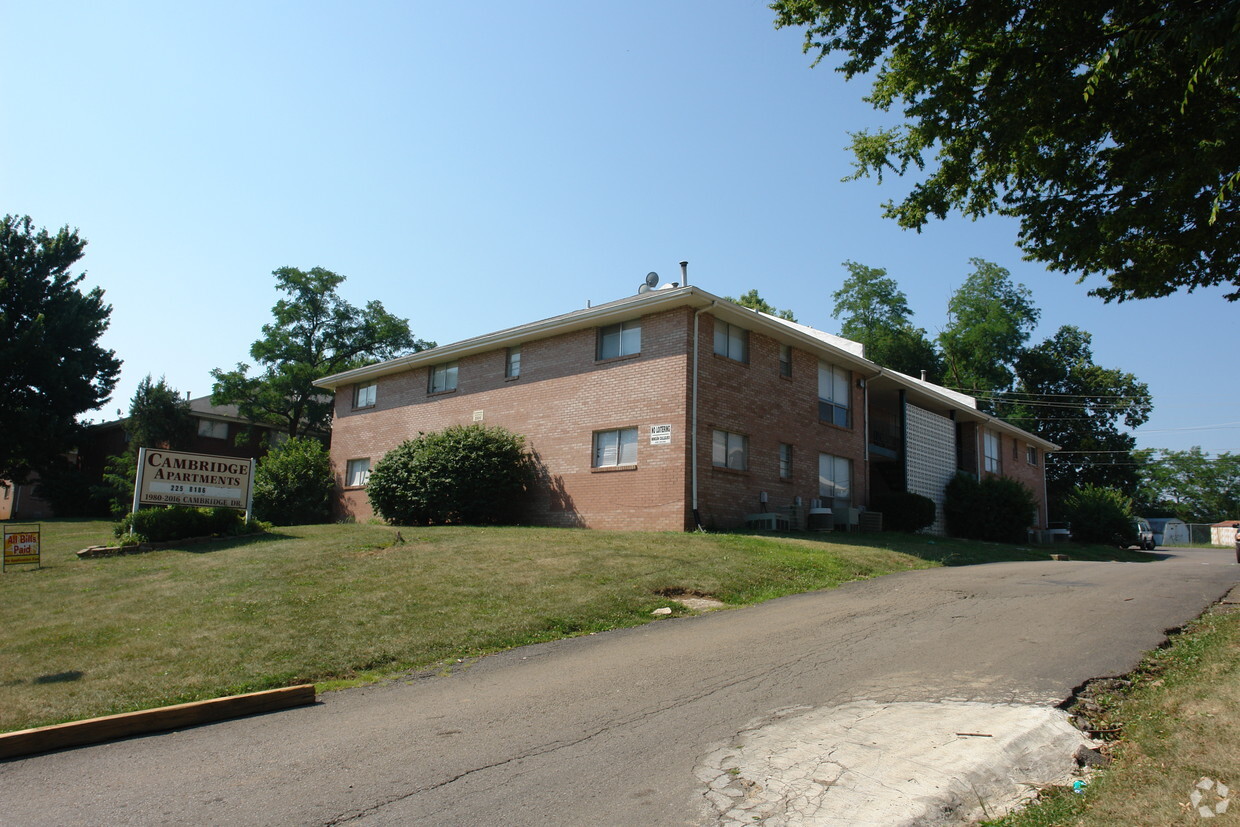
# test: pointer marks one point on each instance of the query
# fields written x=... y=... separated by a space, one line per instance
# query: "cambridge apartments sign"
x=197 y=480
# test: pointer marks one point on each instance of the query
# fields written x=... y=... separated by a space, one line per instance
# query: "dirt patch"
x=694 y=600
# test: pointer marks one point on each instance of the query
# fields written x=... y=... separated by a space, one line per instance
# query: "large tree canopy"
x=875 y=313
x=1192 y=485
x=1107 y=127
x=1063 y=396
x=315 y=333
x=53 y=368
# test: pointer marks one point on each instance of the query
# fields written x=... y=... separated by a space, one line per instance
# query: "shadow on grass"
x=950 y=551
x=223 y=543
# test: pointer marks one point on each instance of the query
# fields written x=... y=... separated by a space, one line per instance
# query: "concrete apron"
x=867 y=763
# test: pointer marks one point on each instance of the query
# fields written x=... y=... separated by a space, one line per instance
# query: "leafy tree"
x=1106 y=127
x=876 y=314
x=1100 y=515
x=990 y=319
x=1062 y=396
x=293 y=483
x=315 y=333
x=467 y=474
x=1192 y=485
x=159 y=417
x=755 y=302
x=53 y=367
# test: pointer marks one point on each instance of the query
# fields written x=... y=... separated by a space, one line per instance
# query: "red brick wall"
x=1016 y=466
x=755 y=400
x=561 y=398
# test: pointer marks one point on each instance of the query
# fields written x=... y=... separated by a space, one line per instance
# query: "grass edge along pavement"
x=1172 y=732
x=344 y=604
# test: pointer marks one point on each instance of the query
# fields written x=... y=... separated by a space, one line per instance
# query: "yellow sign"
x=21 y=545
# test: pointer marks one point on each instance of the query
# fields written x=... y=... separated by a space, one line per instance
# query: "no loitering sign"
x=196 y=480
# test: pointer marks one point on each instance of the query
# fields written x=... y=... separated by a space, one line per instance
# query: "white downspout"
x=693 y=421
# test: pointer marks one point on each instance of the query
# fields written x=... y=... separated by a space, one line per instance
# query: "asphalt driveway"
x=614 y=728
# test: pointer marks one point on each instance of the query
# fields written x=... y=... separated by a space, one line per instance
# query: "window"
x=731 y=341
x=835 y=482
x=212 y=428
x=991 y=449
x=357 y=473
x=618 y=447
x=833 y=394
x=512 y=369
x=624 y=339
x=364 y=395
x=1031 y=455
x=785 y=461
x=785 y=360
x=730 y=451
x=443 y=378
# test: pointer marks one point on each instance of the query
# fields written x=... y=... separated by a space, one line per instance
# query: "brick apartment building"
x=675 y=408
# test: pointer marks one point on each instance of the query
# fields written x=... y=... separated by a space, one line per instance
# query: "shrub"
x=997 y=509
x=463 y=474
x=1099 y=515
x=293 y=484
x=176 y=522
x=903 y=511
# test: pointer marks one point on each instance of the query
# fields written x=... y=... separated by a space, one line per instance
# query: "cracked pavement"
x=624 y=728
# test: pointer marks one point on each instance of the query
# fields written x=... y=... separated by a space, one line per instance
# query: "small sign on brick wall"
x=660 y=434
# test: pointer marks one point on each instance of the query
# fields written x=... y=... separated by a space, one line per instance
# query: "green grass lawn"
x=334 y=604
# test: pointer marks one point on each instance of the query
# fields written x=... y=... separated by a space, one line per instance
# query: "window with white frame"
x=731 y=341
x=213 y=428
x=624 y=339
x=617 y=447
x=443 y=378
x=730 y=451
x=364 y=395
x=785 y=360
x=991 y=451
x=835 y=482
x=512 y=368
x=785 y=461
x=357 y=473
x=833 y=394
x=1031 y=455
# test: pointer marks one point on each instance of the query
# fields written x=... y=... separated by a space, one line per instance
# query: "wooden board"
x=96 y=730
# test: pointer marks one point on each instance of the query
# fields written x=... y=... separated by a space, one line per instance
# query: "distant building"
x=675 y=408
x=1224 y=533
x=216 y=429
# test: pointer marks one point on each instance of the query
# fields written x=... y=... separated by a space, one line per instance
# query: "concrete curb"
x=128 y=724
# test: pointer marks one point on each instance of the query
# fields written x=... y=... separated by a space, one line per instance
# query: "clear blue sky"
x=483 y=165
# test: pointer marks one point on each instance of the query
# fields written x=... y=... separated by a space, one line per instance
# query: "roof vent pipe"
x=923 y=375
x=684 y=273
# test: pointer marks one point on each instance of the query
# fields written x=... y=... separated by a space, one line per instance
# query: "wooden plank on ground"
x=128 y=724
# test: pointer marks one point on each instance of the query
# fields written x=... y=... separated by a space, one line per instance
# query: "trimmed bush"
x=1099 y=515
x=997 y=509
x=293 y=484
x=903 y=511
x=176 y=522
x=468 y=474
